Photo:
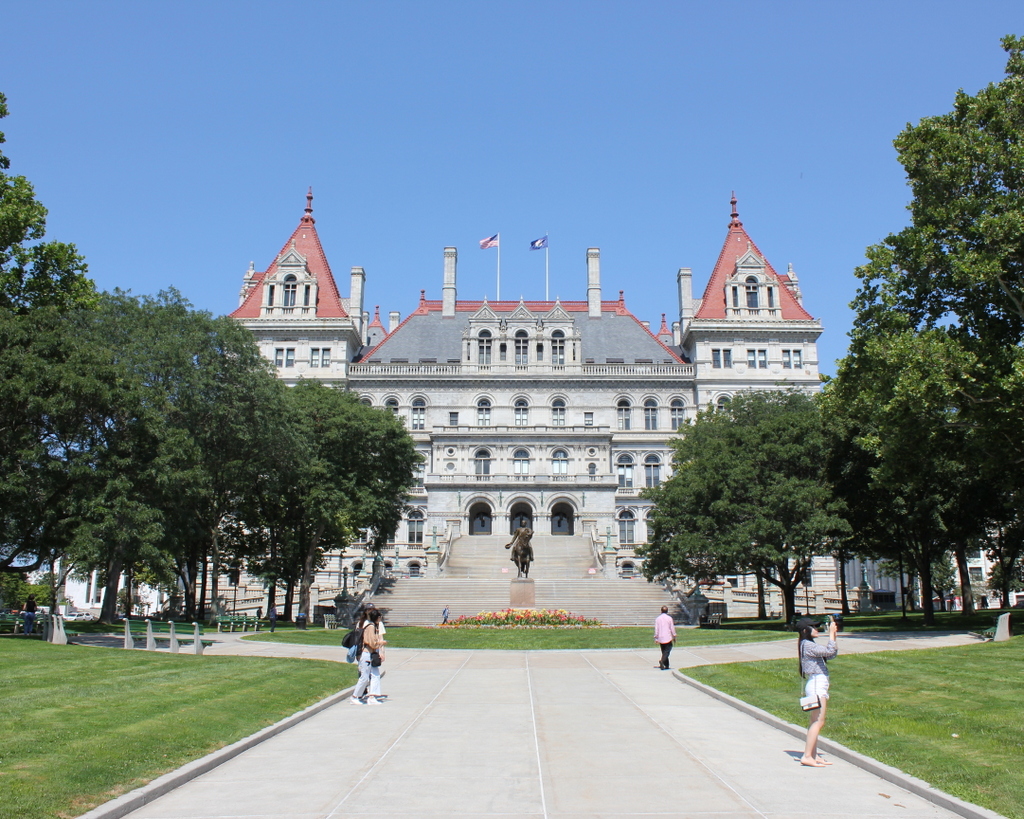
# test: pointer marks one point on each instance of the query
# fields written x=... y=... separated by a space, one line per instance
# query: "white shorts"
x=817 y=686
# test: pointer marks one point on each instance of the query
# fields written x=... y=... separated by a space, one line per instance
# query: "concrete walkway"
x=539 y=734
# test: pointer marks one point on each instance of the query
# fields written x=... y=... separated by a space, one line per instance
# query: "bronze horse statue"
x=522 y=551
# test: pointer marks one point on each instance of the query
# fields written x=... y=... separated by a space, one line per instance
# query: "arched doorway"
x=562 y=519
x=521 y=515
x=480 y=519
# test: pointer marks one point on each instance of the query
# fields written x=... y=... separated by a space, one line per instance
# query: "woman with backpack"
x=371 y=655
x=812 y=667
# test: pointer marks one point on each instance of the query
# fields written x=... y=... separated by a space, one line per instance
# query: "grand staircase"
x=474 y=581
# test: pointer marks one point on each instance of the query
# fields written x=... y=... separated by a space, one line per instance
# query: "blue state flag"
x=539 y=244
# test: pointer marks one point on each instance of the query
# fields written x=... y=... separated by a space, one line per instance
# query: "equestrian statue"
x=522 y=551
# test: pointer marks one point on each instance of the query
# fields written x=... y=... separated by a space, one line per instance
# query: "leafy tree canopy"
x=748 y=494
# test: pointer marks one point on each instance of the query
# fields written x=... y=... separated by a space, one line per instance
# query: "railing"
x=596 y=549
x=537 y=370
x=446 y=549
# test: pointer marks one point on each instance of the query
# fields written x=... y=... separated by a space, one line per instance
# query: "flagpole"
x=499 y=267
x=546 y=268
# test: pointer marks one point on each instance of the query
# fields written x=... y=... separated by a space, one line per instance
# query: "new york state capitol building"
x=549 y=414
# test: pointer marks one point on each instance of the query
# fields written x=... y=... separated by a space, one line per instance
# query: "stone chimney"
x=594 y=282
x=394 y=319
x=355 y=299
x=684 y=279
x=451 y=258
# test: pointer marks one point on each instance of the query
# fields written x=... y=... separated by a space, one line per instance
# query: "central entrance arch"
x=480 y=519
x=520 y=515
x=563 y=519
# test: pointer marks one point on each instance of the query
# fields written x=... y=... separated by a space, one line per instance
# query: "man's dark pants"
x=666 y=649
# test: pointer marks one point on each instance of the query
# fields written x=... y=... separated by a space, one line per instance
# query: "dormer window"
x=290 y=288
x=558 y=348
x=484 y=348
x=751 y=289
x=522 y=348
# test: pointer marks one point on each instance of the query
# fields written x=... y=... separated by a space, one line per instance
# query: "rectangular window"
x=558 y=416
x=727 y=358
x=558 y=352
x=314 y=357
x=798 y=357
x=270 y=296
x=624 y=418
x=289 y=356
x=279 y=357
x=522 y=352
x=540 y=352
x=762 y=359
x=483 y=416
x=771 y=296
x=650 y=418
x=787 y=362
x=522 y=416
x=735 y=297
x=305 y=297
x=416 y=532
x=752 y=359
x=419 y=415
x=588 y=419
x=502 y=351
x=716 y=359
x=453 y=419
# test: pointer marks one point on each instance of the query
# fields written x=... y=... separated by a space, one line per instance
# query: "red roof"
x=737 y=243
x=307 y=243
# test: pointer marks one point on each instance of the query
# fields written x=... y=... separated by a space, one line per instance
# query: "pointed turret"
x=741 y=262
x=299 y=279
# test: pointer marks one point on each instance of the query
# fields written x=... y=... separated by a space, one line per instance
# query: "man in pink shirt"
x=664 y=634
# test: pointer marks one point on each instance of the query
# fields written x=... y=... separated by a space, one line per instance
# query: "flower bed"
x=523 y=618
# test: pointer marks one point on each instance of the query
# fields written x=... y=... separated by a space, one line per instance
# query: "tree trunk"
x=108 y=608
x=762 y=614
x=215 y=573
x=843 y=592
x=201 y=608
x=309 y=572
x=966 y=592
x=289 y=598
x=925 y=569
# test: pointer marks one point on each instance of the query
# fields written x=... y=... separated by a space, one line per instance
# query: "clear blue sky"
x=174 y=142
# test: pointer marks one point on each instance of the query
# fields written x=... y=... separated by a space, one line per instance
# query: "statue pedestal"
x=521 y=594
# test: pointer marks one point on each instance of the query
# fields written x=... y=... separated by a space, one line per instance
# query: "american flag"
x=490 y=241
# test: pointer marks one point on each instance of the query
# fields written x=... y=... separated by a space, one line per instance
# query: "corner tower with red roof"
x=294 y=309
x=750 y=329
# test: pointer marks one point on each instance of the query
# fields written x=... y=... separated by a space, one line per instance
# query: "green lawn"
x=894 y=622
x=526 y=639
x=79 y=726
x=949 y=716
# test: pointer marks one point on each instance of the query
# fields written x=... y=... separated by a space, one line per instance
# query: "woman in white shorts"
x=813 y=668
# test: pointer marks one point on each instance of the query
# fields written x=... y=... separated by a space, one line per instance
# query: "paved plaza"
x=539 y=734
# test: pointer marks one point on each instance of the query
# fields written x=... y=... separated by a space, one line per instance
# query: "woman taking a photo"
x=813 y=668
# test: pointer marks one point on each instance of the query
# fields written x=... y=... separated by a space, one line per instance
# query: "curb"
x=894 y=775
x=133 y=800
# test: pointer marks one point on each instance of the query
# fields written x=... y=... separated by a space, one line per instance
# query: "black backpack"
x=353 y=638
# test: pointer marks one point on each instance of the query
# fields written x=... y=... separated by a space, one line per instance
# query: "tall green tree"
x=937 y=355
x=34 y=273
x=355 y=472
x=748 y=494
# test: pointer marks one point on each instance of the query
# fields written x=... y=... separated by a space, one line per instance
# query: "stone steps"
x=418 y=601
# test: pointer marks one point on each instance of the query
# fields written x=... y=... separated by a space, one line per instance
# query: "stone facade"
x=552 y=414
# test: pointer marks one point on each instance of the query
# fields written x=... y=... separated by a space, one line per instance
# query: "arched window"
x=624 y=413
x=521 y=412
x=558 y=413
x=751 y=288
x=625 y=470
x=560 y=462
x=652 y=471
x=392 y=404
x=677 y=413
x=416 y=528
x=414 y=569
x=290 y=288
x=366 y=402
x=558 y=348
x=419 y=413
x=723 y=402
x=482 y=464
x=650 y=414
x=483 y=413
x=627 y=527
x=483 y=348
x=520 y=463
x=522 y=348
x=592 y=470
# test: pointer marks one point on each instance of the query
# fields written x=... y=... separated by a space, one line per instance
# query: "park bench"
x=15 y=623
x=711 y=621
x=160 y=631
x=242 y=622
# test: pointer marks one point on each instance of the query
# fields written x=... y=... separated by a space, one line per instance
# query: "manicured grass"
x=524 y=639
x=79 y=726
x=894 y=622
x=950 y=716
